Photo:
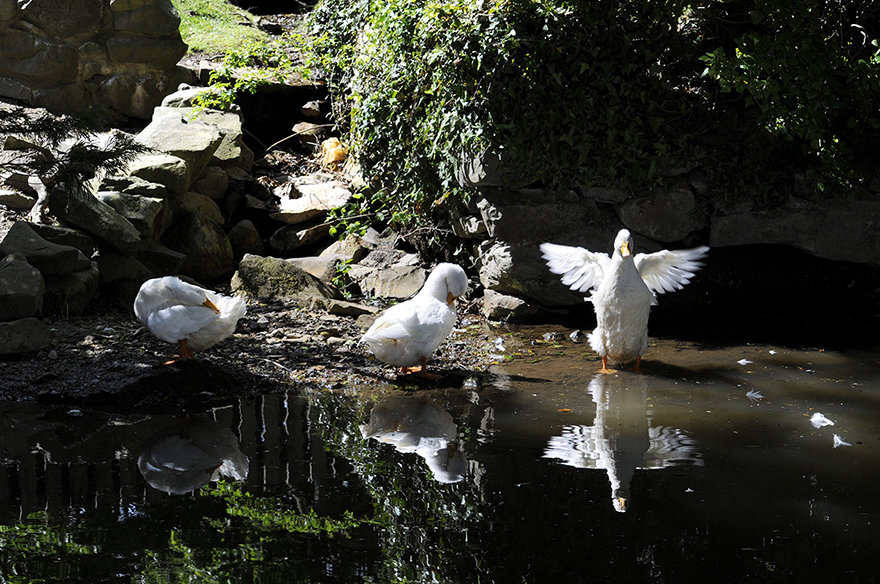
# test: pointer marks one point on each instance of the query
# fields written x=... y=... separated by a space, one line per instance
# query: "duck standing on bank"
x=624 y=288
x=407 y=334
x=192 y=317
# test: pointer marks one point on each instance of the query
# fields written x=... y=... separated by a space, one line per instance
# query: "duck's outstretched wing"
x=668 y=271
x=580 y=269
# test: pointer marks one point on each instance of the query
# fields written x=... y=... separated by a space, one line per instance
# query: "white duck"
x=624 y=288
x=408 y=333
x=182 y=313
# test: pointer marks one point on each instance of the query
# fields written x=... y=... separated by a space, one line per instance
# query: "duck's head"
x=447 y=282
x=623 y=243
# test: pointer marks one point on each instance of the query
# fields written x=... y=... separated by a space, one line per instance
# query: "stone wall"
x=73 y=56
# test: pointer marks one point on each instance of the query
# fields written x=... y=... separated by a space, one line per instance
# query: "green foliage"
x=579 y=93
x=216 y=26
x=63 y=149
x=245 y=69
x=812 y=72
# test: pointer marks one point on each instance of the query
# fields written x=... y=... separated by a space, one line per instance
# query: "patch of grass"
x=216 y=26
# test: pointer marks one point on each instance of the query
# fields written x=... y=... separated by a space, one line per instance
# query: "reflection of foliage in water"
x=19 y=543
x=424 y=523
x=266 y=512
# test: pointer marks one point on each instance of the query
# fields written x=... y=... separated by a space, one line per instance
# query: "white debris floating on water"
x=743 y=361
x=838 y=441
x=754 y=395
x=818 y=420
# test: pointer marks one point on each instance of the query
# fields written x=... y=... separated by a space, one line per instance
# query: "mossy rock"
x=274 y=278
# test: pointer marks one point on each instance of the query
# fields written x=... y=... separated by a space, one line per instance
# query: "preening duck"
x=407 y=334
x=193 y=317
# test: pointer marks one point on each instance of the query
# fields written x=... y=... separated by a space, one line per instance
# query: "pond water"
x=711 y=465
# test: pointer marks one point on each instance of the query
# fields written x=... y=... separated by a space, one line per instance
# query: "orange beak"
x=208 y=304
x=625 y=249
x=450 y=298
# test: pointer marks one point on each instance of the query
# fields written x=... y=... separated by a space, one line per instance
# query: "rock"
x=498 y=306
x=160 y=260
x=75 y=57
x=392 y=282
x=285 y=241
x=314 y=200
x=85 y=211
x=16 y=200
x=213 y=183
x=232 y=151
x=245 y=239
x=310 y=135
x=533 y=216
x=121 y=278
x=164 y=169
x=132 y=185
x=833 y=231
x=469 y=227
x=521 y=271
x=70 y=294
x=273 y=278
x=344 y=308
x=149 y=216
x=21 y=288
x=322 y=268
x=352 y=249
x=197 y=203
x=314 y=234
x=65 y=236
x=27 y=335
x=208 y=251
x=176 y=132
x=49 y=258
x=666 y=217
x=487 y=169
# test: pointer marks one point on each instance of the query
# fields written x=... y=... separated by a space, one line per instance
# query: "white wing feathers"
x=668 y=271
x=580 y=269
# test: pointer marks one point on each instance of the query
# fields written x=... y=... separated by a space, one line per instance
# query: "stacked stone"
x=78 y=56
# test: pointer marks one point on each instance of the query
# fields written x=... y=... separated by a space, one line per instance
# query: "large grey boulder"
x=70 y=294
x=310 y=201
x=245 y=238
x=73 y=56
x=176 y=132
x=268 y=277
x=49 y=258
x=157 y=168
x=26 y=335
x=21 y=288
x=208 y=251
x=151 y=217
x=837 y=231
x=85 y=211
x=396 y=281
x=65 y=236
x=666 y=216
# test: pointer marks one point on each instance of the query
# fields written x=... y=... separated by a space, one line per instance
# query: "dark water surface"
x=704 y=467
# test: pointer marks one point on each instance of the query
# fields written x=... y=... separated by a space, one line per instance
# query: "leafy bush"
x=577 y=93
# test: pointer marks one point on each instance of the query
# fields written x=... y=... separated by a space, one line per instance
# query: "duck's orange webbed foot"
x=184 y=353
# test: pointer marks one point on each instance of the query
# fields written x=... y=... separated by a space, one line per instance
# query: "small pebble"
x=53 y=354
x=578 y=337
x=551 y=336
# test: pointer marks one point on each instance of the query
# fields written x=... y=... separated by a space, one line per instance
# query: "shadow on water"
x=704 y=467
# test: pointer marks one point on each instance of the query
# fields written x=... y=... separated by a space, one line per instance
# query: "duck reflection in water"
x=622 y=438
x=417 y=425
x=188 y=455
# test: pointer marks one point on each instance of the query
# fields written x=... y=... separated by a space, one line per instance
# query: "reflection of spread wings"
x=580 y=447
x=671 y=447
x=577 y=447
